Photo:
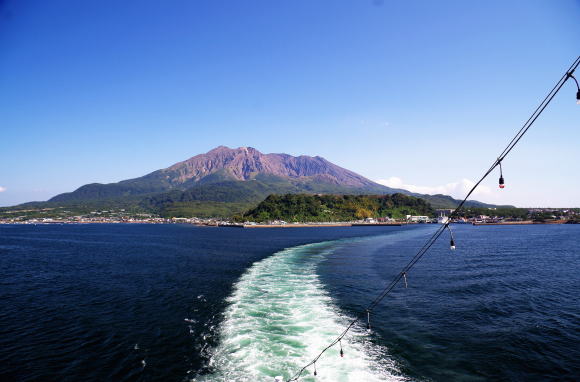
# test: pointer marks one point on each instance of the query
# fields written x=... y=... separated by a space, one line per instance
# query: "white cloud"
x=456 y=189
x=2 y=189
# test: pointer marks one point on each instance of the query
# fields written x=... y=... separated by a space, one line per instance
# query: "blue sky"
x=417 y=93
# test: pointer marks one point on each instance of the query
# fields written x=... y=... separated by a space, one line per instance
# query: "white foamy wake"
x=280 y=318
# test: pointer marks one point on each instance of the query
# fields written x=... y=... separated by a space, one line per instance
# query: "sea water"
x=183 y=303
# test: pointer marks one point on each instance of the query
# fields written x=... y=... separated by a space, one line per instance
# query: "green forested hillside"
x=317 y=208
x=227 y=198
x=216 y=196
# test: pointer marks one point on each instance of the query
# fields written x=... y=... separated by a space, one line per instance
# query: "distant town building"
x=419 y=219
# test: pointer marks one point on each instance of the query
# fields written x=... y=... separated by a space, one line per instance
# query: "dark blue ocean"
x=184 y=303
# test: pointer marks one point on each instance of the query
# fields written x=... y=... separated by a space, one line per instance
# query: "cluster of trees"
x=318 y=208
x=203 y=209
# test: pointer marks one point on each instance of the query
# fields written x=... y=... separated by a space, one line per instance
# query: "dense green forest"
x=319 y=208
x=204 y=209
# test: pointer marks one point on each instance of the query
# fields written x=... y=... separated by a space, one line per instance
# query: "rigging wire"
x=429 y=243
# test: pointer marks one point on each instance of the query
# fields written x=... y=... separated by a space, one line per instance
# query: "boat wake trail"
x=280 y=317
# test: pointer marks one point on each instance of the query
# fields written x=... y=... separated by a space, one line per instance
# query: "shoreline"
x=297 y=225
x=525 y=222
x=222 y=225
x=310 y=225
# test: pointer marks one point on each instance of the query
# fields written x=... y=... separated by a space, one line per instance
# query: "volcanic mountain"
x=226 y=180
x=244 y=163
x=223 y=164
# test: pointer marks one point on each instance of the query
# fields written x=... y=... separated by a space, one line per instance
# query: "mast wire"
x=429 y=243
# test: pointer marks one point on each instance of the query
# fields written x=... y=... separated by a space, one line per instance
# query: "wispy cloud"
x=2 y=189
x=456 y=189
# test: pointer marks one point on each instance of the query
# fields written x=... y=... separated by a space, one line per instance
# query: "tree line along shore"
x=280 y=210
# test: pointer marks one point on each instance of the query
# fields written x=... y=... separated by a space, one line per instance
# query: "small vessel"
x=442 y=219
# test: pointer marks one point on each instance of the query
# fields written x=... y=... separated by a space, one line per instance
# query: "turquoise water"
x=280 y=316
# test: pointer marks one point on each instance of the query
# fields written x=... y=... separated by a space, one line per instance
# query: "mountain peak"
x=220 y=174
x=240 y=164
x=219 y=148
x=244 y=163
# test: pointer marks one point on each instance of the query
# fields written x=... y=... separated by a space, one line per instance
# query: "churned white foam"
x=280 y=318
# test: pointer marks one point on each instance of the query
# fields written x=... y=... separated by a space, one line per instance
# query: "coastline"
x=525 y=222
x=258 y=225
x=304 y=225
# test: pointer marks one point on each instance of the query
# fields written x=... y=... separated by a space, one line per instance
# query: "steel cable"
x=429 y=243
